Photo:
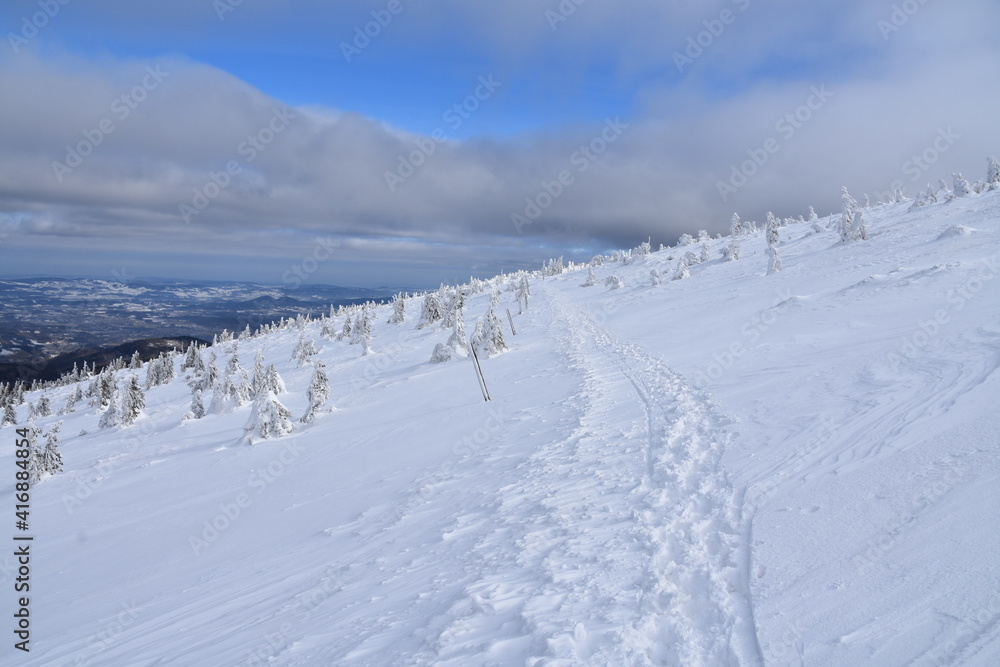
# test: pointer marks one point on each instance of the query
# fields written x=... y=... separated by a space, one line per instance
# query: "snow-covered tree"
x=305 y=349
x=133 y=402
x=229 y=394
x=398 y=309
x=258 y=377
x=189 y=362
x=489 y=334
x=614 y=282
x=110 y=417
x=159 y=371
x=591 y=278
x=682 y=270
x=105 y=390
x=812 y=215
x=134 y=364
x=852 y=220
x=993 y=172
x=211 y=375
x=268 y=419
x=654 y=277
x=685 y=239
x=771 y=230
x=43 y=408
x=51 y=459
x=773 y=259
x=71 y=400
x=197 y=405
x=961 y=187
x=732 y=253
x=523 y=292
x=771 y=233
x=36 y=454
x=272 y=382
x=9 y=414
x=457 y=341
x=318 y=392
x=705 y=255
x=431 y=311
x=345 y=333
x=365 y=331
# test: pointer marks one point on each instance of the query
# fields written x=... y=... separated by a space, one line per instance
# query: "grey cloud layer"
x=326 y=171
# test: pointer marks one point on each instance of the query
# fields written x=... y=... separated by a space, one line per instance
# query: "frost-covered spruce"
x=211 y=377
x=51 y=459
x=197 y=405
x=110 y=417
x=36 y=454
x=523 y=292
x=591 y=278
x=134 y=364
x=305 y=349
x=771 y=230
x=654 y=277
x=356 y=330
x=457 y=341
x=167 y=363
x=365 y=335
x=773 y=260
x=105 y=390
x=43 y=408
x=431 y=310
x=133 y=402
x=272 y=382
x=258 y=379
x=993 y=172
x=189 y=358
x=732 y=253
x=705 y=255
x=398 y=309
x=159 y=371
x=268 y=419
x=9 y=415
x=614 y=282
x=682 y=270
x=961 y=187
x=853 y=226
x=318 y=392
x=489 y=334
x=345 y=333
x=72 y=399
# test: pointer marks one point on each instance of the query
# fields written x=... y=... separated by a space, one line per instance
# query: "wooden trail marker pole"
x=479 y=372
x=511 y=320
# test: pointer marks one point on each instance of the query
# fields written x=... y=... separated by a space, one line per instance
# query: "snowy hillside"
x=731 y=468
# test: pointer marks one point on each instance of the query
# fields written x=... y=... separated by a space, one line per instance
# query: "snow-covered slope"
x=730 y=469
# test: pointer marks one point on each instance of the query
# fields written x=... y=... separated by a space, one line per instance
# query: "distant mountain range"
x=48 y=323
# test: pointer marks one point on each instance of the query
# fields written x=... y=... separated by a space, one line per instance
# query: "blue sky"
x=336 y=171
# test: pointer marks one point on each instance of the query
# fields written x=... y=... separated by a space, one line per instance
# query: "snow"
x=731 y=469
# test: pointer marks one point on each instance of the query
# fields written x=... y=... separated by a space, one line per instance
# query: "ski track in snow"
x=898 y=399
x=616 y=546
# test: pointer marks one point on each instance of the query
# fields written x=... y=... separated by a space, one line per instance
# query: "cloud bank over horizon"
x=189 y=141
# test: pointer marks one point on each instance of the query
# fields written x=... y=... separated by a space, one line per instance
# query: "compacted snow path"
x=619 y=543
